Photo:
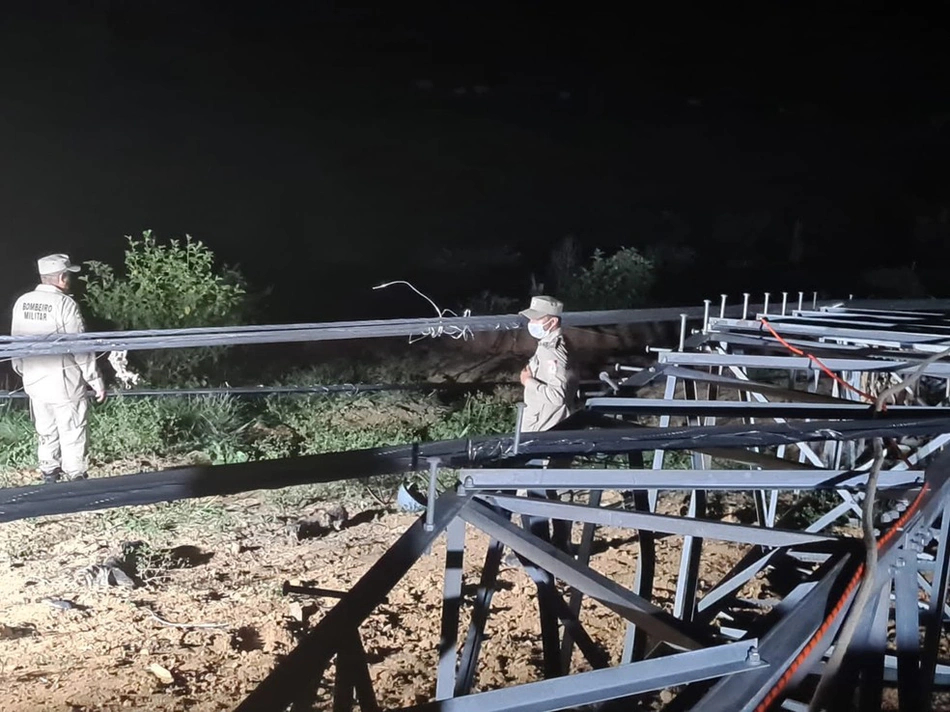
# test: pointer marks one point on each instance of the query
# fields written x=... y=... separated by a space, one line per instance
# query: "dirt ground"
x=208 y=619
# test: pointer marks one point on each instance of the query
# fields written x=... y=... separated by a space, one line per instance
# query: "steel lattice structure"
x=744 y=430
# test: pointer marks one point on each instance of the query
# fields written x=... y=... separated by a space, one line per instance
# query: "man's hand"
x=525 y=375
x=101 y=396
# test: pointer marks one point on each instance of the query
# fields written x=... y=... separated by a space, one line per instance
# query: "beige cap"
x=543 y=306
x=54 y=264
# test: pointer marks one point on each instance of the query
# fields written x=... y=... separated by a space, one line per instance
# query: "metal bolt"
x=519 y=419
x=784 y=302
x=900 y=563
x=765 y=304
x=430 y=504
x=745 y=304
x=801 y=296
x=706 y=302
x=722 y=308
x=753 y=657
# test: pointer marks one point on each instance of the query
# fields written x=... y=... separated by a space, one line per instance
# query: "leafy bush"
x=621 y=281
x=172 y=285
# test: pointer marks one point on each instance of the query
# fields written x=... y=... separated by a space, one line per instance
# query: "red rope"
x=780 y=686
x=855 y=580
x=814 y=359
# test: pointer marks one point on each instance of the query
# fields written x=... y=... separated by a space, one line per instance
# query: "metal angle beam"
x=651 y=618
x=743 y=339
x=740 y=409
x=661 y=523
x=800 y=363
x=862 y=335
x=620 y=480
x=879 y=322
x=598 y=686
x=743 y=385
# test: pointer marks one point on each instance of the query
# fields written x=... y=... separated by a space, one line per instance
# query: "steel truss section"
x=712 y=666
x=799 y=453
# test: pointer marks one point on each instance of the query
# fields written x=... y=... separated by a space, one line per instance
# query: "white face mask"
x=536 y=330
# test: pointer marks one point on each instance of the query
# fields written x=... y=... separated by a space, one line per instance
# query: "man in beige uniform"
x=549 y=399
x=548 y=395
x=56 y=385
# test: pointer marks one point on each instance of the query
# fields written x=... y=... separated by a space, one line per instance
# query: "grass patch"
x=223 y=429
x=17 y=438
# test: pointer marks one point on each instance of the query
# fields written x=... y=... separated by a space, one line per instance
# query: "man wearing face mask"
x=548 y=395
x=56 y=384
x=549 y=399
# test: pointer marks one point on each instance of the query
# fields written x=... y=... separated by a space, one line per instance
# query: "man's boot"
x=72 y=477
x=51 y=476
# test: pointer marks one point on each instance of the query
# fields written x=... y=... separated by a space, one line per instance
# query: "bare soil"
x=210 y=612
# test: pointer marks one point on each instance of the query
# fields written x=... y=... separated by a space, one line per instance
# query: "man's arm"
x=73 y=324
x=549 y=385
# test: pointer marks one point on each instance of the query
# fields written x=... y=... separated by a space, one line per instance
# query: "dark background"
x=325 y=148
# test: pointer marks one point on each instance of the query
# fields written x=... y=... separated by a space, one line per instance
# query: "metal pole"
x=519 y=418
x=706 y=302
x=801 y=296
x=814 y=300
x=784 y=301
x=765 y=304
x=745 y=304
x=722 y=308
x=430 y=503
x=682 y=331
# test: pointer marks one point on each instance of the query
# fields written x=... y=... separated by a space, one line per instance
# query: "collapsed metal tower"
x=714 y=649
x=789 y=409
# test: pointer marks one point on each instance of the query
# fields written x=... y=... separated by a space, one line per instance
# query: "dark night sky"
x=294 y=138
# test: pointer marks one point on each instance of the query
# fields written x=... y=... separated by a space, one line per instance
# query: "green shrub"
x=621 y=281
x=171 y=285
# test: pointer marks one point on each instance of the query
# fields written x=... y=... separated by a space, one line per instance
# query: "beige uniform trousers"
x=61 y=430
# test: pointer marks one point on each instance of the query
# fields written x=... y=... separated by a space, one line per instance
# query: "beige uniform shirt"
x=548 y=394
x=53 y=379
